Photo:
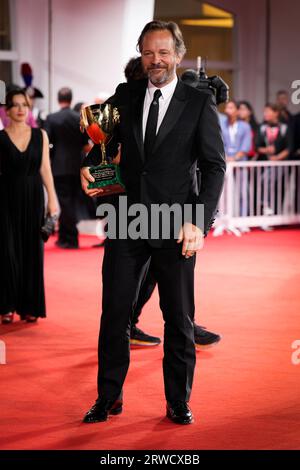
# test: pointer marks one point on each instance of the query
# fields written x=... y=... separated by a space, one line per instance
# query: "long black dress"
x=21 y=217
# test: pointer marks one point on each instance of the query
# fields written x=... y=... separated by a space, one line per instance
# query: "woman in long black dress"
x=24 y=168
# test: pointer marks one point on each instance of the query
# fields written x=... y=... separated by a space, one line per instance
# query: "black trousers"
x=147 y=288
x=67 y=189
x=124 y=266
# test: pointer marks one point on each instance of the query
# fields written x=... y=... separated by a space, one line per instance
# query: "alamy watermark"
x=296 y=354
x=295 y=98
x=158 y=221
x=2 y=92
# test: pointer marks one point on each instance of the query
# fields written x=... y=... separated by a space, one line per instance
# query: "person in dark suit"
x=203 y=337
x=296 y=137
x=67 y=143
x=166 y=129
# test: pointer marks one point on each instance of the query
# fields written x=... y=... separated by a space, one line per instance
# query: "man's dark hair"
x=134 y=69
x=64 y=95
x=236 y=104
x=282 y=92
x=77 y=107
x=9 y=100
x=273 y=106
x=158 y=25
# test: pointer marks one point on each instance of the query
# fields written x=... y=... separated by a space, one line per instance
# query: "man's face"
x=159 y=58
x=283 y=100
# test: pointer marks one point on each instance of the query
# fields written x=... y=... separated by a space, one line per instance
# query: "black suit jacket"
x=189 y=136
x=66 y=140
x=296 y=136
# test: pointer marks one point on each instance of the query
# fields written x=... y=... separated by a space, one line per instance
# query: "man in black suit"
x=158 y=167
x=66 y=142
x=295 y=131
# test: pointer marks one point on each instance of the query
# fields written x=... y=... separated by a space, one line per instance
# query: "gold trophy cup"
x=99 y=121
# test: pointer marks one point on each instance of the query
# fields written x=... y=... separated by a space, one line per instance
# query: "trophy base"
x=107 y=177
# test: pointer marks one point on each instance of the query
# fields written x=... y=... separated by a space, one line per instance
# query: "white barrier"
x=257 y=194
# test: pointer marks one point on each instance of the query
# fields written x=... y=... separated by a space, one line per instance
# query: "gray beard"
x=164 y=78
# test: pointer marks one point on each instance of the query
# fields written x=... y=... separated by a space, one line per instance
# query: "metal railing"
x=258 y=194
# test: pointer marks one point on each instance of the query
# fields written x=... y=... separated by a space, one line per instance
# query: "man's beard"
x=163 y=77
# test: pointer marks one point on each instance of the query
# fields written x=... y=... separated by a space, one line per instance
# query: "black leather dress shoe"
x=101 y=409
x=66 y=245
x=179 y=412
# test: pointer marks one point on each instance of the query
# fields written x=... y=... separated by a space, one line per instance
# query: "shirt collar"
x=166 y=90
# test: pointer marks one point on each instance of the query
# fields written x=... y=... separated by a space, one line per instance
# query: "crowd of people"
x=274 y=139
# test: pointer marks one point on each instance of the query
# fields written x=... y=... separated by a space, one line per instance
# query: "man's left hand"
x=192 y=238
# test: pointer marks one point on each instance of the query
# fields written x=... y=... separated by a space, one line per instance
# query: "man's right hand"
x=87 y=178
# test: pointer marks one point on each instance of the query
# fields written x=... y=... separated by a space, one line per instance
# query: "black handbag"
x=48 y=227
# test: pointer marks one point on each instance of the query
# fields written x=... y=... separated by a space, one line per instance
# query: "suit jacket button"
x=144 y=173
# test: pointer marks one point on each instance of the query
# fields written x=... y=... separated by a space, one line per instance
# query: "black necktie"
x=151 y=126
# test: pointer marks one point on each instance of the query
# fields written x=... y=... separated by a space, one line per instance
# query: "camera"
x=214 y=85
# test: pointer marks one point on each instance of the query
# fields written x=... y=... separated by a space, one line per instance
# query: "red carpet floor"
x=246 y=392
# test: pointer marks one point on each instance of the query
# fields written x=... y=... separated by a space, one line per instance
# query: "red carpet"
x=246 y=390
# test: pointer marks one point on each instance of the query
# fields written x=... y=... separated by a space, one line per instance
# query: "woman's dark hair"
x=10 y=97
x=253 y=122
x=157 y=25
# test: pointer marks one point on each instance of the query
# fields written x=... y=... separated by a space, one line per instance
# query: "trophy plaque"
x=99 y=121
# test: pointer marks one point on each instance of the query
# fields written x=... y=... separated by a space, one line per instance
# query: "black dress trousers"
x=124 y=266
